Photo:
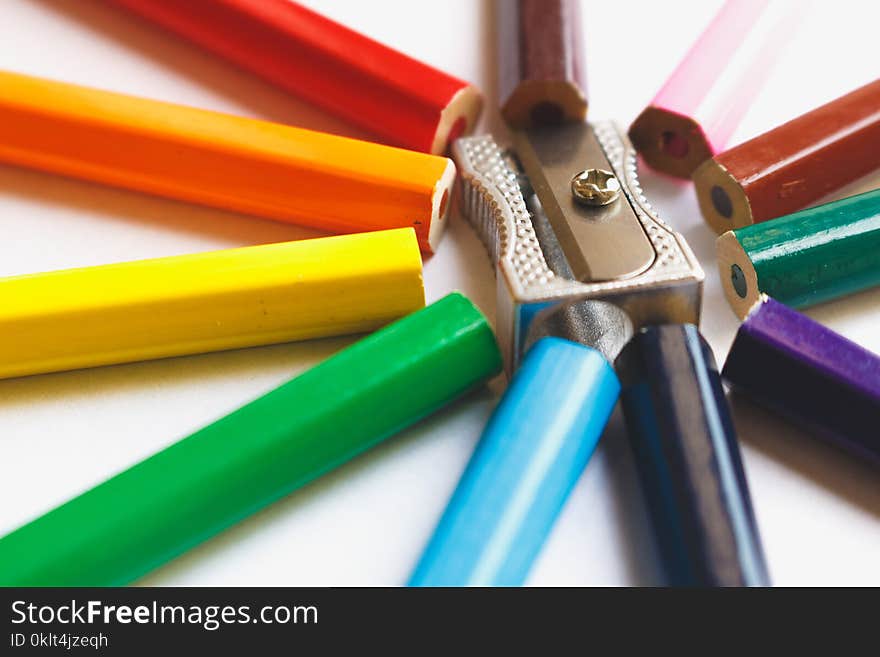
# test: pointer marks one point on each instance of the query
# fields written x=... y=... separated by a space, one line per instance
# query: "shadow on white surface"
x=857 y=312
x=318 y=492
x=836 y=471
x=259 y=98
x=462 y=264
x=181 y=371
x=634 y=529
x=144 y=210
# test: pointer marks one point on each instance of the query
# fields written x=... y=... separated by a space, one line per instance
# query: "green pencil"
x=187 y=493
x=808 y=257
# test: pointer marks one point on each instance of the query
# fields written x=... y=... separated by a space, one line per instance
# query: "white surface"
x=818 y=510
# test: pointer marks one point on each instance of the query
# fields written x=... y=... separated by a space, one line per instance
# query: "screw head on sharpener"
x=595 y=187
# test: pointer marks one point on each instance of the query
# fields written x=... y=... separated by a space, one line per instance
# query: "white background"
x=818 y=509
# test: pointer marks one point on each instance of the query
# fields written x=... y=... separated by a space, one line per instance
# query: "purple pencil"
x=815 y=377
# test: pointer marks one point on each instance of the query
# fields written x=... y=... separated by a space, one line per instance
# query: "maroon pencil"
x=541 y=65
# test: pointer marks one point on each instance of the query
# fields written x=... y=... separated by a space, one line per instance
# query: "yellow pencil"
x=208 y=301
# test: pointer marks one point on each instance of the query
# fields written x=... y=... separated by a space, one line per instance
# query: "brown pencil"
x=793 y=165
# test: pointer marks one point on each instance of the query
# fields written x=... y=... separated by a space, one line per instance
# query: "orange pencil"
x=255 y=167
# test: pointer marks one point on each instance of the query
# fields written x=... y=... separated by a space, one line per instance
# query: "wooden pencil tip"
x=544 y=102
x=440 y=206
x=723 y=203
x=668 y=142
x=458 y=118
x=738 y=276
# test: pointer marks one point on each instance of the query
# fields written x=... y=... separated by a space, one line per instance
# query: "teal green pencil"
x=804 y=258
x=201 y=485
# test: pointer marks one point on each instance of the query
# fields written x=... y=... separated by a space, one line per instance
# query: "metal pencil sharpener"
x=578 y=251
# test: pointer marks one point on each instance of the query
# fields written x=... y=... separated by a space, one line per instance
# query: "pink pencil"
x=703 y=101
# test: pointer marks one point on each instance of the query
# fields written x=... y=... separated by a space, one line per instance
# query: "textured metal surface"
x=492 y=201
x=529 y=290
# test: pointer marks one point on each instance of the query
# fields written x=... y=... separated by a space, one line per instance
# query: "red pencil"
x=399 y=99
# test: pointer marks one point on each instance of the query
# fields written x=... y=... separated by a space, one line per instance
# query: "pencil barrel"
x=255 y=167
x=688 y=457
x=203 y=484
x=535 y=446
x=808 y=257
x=702 y=102
x=809 y=374
x=542 y=71
x=206 y=302
x=401 y=100
x=793 y=165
